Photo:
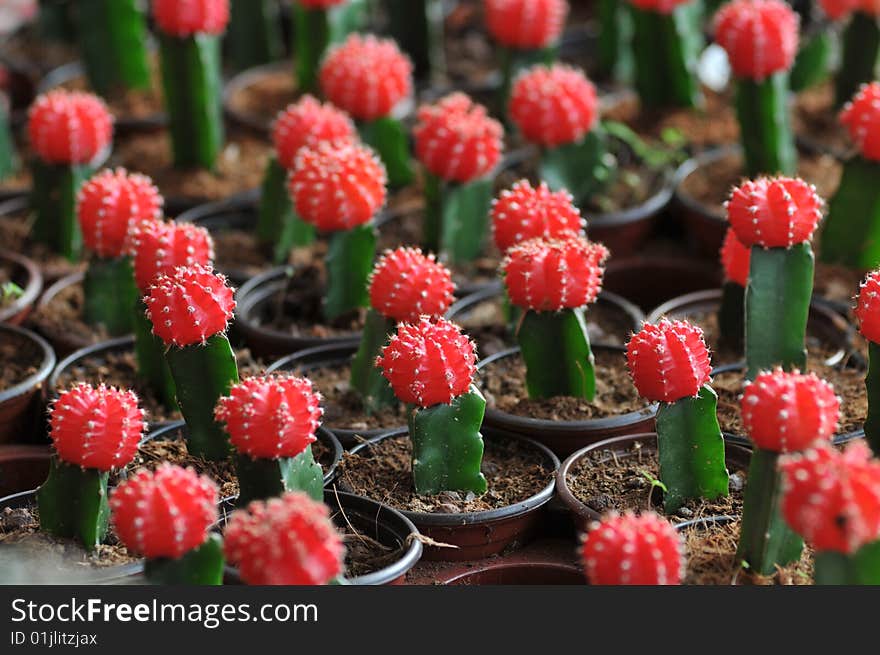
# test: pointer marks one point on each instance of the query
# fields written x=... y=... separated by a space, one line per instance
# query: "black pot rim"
x=243 y=201
x=653 y=205
x=41 y=374
x=470 y=518
x=118 y=343
x=31 y=290
x=15 y=201
x=684 y=171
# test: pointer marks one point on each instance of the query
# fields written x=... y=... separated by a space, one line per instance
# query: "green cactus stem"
x=53 y=200
x=860 y=568
x=417 y=27
x=202 y=374
x=279 y=227
x=872 y=386
x=260 y=479
x=615 y=58
x=778 y=296
x=8 y=158
x=349 y=262
x=447 y=445
x=110 y=295
x=456 y=217
x=200 y=566
x=666 y=48
x=583 y=168
x=691 y=450
x=56 y=20
x=731 y=316
x=192 y=85
x=113 y=44
x=388 y=137
x=860 y=56
x=366 y=378
x=811 y=66
x=555 y=347
x=851 y=235
x=149 y=351
x=767 y=138
x=254 y=33
x=765 y=539
x=315 y=30
x=73 y=503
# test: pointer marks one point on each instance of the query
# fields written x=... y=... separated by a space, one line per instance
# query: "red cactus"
x=668 y=361
x=109 y=204
x=161 y=247
x=524 y=212
x=837 y=9
x=553 y=106
x=548 y=275
x=406 y=284
x=96 y=427
x=659 y=6
x=861 y=116
x=868 y=307
x=270 y=416
x=774 y=212
x=429 y=362
x=189 y=305
x=187 y=17
x=337 y=186
x=735 y=259
x=164 y=513
x=525 y=24
x=284 y=541
x=366 y=76
x=308 y=123
x=760 y=36
x=832 y=498
x=69 y=127
x=633 y=550
x=788 y=412
x=870 y=7
x=456 y=139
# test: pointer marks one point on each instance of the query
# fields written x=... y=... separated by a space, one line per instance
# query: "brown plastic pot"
x=22 y=467
x=565 y=437
x=62 y=341
x=519 y=573
x=583 y=516
x=243 y=80
x=21 y=405
x=704 y=225
x=477 y=534
x=26 y=274
x=649 y=281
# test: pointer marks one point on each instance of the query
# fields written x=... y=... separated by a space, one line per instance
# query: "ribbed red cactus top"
x=406 y=284
x=525 y=212
x=308 y=122
x=735 y=259
x=659 y=6
x=69 y=127
x=161 y=247
x=187 y=17
x=525 y=24
x=861 y=117
x=760 y=36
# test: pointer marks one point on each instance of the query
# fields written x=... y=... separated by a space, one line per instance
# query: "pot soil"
x=22 y=272
x=59 y=317
x=26 y=361
x=817 y=125
x=253 y=98
x=520 y=476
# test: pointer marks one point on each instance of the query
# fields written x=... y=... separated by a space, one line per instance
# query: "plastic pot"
x=648 y=280
x=477 y=534
x=22 y=467
x=240 y=82
x=21 y=405
x=736 y=457
x=62 y=341
x=26 y=274
x=565 y=437
x=704 y=225
x=519 y=573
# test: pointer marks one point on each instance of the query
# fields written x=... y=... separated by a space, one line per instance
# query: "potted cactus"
x=94 y=430
x=271 y=423
x=851 y=235
x=860 y=45
x=782 y=413
x=69 y=134
x=166 y=515
x=459 y=146
x=371 y=80
x=867 y=313
x=318 y=24
x=284 y=541
x=761 y=40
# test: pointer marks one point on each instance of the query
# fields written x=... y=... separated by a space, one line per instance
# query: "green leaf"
x=73 y=503
x=110 y=295
x=389 y=138
x=260 y=479
x=583 y=167
x=366 y=378
x=349 y=263
x=200 y=566
x=656 y=158
x=851 y=234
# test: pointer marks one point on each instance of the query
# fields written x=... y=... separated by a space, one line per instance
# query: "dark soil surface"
x=63 y=316
x=15 y=235
x=19 y=359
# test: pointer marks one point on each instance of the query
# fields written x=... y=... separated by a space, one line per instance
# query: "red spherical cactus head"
x=553 y=106
x=867 y=309
x=456 y=139
x=69 y=127
x=837 y=9
x=184 y=18
x=525 y=212
x=760 y=36
x=160 y=247
x=270 y=416
x=189 y=305
x=633 y=550
x=548 y=275
x=96 y=427
x=776 y=212
x=164 y=513
x=668 y=361
x=366 y=76
x=832 y=498
x=110 y=204
x=308 y=123
x=788 y=412
x=284 y=541
x=870 y=7
x=735 y=259
x=337 y=187
x=406 y=284
x=861 y=117
x=429 y=362
x=525 y=24
x=659 y=6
